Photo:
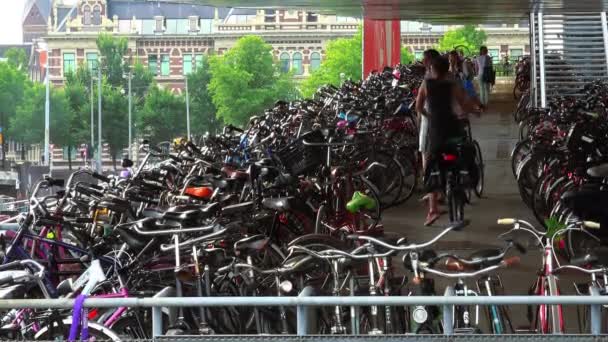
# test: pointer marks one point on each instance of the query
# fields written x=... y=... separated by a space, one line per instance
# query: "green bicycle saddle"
x=360 y=201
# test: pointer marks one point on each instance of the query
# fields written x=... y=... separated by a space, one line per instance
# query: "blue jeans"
x=484 y=92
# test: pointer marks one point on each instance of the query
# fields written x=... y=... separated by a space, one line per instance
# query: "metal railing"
x=305 y=301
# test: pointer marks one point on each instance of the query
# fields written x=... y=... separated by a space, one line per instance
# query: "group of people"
x=445 y=98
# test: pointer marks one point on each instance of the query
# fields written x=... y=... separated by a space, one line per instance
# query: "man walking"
x=486 y=76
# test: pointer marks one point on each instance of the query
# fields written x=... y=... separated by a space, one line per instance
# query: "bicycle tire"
x=409 y=163
x=520 y=152
x=96 y=331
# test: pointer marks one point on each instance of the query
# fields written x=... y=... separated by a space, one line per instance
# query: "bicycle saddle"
x=280 y=204
x=251 y=245
x=589 y=204
x=12 y=292
x=135 y=241
x=188 y=212
x=115 y=204
x=598 y=257
x=235 y=174
x=600 y=171
x=214 y=257
x=237 y=208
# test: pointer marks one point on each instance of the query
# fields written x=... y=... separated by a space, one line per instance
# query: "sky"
x=11 y=12
x=10 y=21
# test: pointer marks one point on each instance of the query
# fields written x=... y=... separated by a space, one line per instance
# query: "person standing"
x=437 y=99
x=486 y=75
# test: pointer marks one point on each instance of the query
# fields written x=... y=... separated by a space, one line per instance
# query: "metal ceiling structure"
x=432 y=11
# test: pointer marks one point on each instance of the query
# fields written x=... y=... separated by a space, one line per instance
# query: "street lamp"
x=99 y=145
x=129 y=77
x=187 y=110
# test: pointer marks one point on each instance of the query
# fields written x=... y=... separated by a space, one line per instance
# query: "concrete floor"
x=497 y=134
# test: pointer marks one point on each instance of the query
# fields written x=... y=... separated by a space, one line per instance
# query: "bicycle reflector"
x=449 y=157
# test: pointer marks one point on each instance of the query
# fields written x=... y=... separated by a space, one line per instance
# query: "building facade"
x=171 y=38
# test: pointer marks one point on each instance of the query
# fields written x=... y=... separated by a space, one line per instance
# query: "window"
x=284 y=62
x=312 y=17
x=159 y=24
x=165 y=69
x=206 y=26
x=514 y=54
x=297 y=63
x=96 y=15
x=193 y=23
x=176 y=26
x=315 y=61
x=148 y=26
x=69 y=63
x=92 y=60
x=86 y=15
x=269 y=16
x=418 y=55
x=199 y=61
x=153 y=64
x=187 y=64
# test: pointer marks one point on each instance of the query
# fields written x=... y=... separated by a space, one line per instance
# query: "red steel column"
x=381 y=44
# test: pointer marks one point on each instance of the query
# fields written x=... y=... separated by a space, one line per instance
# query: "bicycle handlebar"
x=410 y=247
x=580 y=269
x=505 y=263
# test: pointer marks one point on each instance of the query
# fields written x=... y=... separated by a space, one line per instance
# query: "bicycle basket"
x=299 y=159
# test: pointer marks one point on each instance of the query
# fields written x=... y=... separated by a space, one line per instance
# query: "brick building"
x=171 y=37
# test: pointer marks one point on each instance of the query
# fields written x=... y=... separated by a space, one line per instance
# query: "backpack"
x=489 y=74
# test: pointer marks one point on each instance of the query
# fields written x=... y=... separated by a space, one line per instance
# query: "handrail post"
x=303 y=313
x=448 y=319
x=157 y=312
x=596 y=313
x=354 y=311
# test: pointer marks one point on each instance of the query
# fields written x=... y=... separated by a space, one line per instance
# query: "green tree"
x=13 y=85
x=407 y=57
x=342 y=55
x=115 y=130
x=246 y=80
x=202 y=109
x=467 y=38
x=113 y=50
x=27 y=125
x=77 y=91
x=163 y=116
x=17 y=58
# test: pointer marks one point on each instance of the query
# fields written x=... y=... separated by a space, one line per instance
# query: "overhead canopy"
x=432 y=11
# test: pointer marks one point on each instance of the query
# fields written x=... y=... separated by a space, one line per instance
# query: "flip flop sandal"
x=431 y=218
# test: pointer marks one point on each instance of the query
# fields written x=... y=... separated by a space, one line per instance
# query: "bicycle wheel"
x=388 y=178
x=97 y=332
x=519 y=153
x=407 y=160
x=480 y=169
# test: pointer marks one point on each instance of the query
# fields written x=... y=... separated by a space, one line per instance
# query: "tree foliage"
x=407 y=57
x=246 y=80
x=467 y=38
x=163 y=116
x=112 y=50
x=342 y=55
x=28 y=123
x=202 y=110
x=17 y=58
x=114 y=124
